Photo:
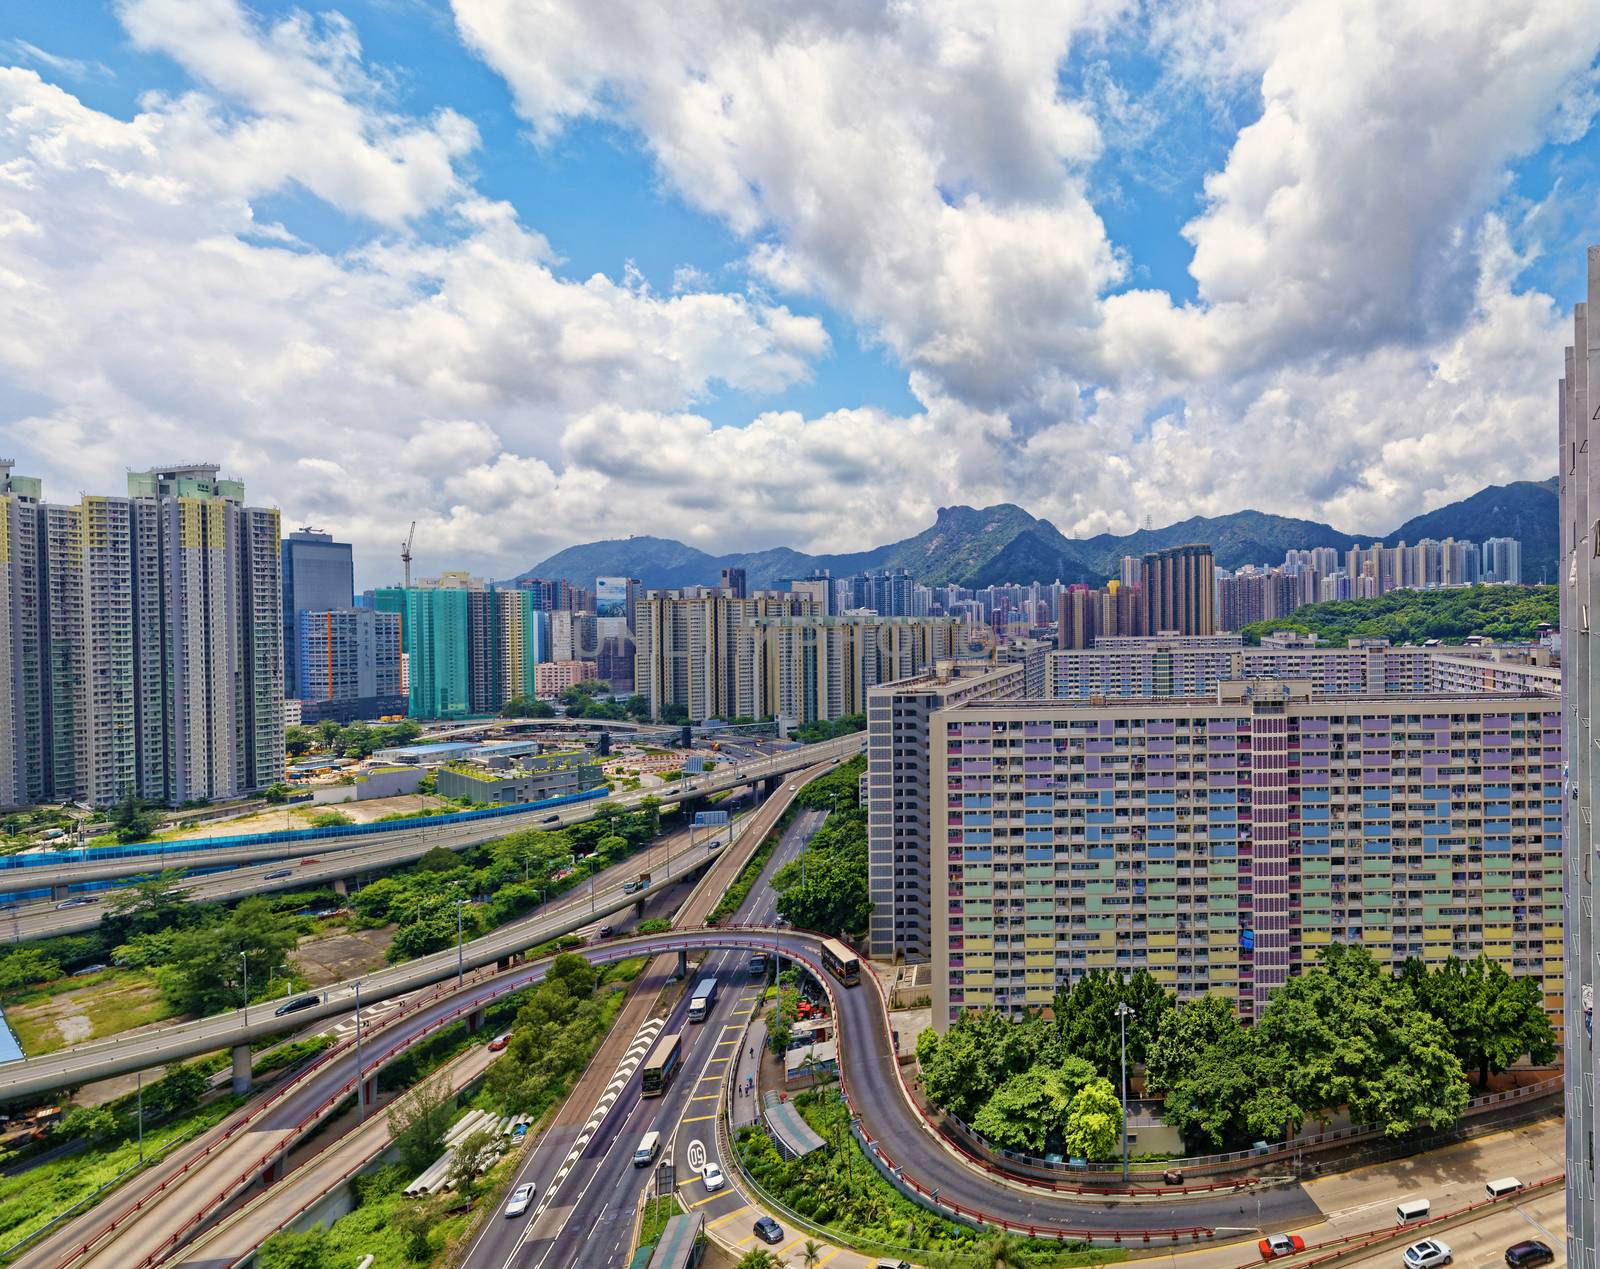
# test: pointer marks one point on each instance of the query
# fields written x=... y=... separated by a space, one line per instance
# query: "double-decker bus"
x=841 y=962
x=661 y=1065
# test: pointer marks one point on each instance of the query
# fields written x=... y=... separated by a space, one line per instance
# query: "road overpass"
x=352 y=850
x=870 y=1075
x=202 y=1178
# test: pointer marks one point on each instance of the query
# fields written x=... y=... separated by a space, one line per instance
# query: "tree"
x=178 y=1090
x=811 y=1253
x=132 y=820
x=205 y=973
x=1205 y=1063
x=524 y=707
x=1346 y=1033
x=1493 y=1019
x=760 y=1258
x=1030 y=1112
x=1094 y=1124
x=414 y=1220
x=472 y=1155
x=152 y=903
x=297 y=740
x=97 y=1124
x=277 y=794
x=439 y=859
x=1087 y=1017
x=418 y=1122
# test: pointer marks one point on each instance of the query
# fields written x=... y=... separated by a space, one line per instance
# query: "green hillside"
x=1412 y=616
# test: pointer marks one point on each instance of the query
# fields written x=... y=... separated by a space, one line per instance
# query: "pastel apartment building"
x=1220 y=839
x=1157 y=667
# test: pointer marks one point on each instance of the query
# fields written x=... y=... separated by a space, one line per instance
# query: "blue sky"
x=974 y=280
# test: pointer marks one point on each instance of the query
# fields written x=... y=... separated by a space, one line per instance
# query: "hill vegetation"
x=1411 y=616
x=982 y=546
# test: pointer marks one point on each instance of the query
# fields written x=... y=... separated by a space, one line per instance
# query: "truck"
x=705 y=996
x=641 y=882
x=758 y=965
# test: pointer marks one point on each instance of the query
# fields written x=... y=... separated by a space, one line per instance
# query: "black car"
x=281 y=872
x=768 y=1230
x=296 y=1005
x=1531 y=1252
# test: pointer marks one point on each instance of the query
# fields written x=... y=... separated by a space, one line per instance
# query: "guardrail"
x=615 y=951
x=269 y=1102
x=1005 y=1161
x=927 y=1196
x=727 y=776
x=1337 y=1248
x=155 y=851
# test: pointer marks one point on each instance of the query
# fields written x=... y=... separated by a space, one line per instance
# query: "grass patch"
x=739 y=891
x=376 y=1226
x=839 y=1189
x=293 y=1052
x=32 y=1198
x=657 y=1212
x=103 y=1004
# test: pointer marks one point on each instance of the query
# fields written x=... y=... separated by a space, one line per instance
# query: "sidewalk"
x=735 y=1239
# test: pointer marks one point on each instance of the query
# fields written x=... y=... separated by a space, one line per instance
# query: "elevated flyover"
x=298 y=858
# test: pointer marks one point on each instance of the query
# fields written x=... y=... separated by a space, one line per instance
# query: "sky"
x=749 y=273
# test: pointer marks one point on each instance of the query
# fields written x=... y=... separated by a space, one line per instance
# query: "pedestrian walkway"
x=735 y=1230
x=747 y=1075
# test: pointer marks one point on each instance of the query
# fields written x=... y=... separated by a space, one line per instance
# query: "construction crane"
x=405 y=552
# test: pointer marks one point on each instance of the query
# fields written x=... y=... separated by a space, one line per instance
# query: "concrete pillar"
x=58 y=891
x=242 y=1075
x=274 y=1172
x=341 y=886
x=683 y=964
x=474 y=1021
x=369 y=1092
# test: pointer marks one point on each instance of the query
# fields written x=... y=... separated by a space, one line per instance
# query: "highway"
x=585 y=1210
x=174 y=1199
x=405 y=840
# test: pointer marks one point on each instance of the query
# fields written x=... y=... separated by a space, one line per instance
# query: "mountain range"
x=982 y=546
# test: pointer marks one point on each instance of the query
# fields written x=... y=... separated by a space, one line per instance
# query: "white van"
x=1412 y=1210
x=1505 y=1185
x=649 y=1147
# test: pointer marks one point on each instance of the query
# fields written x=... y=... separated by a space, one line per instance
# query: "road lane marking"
x=723 y=1220
x=630 y=1062
x=695 y=1119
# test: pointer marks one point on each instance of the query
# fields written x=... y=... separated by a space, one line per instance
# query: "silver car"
x=520 y=1198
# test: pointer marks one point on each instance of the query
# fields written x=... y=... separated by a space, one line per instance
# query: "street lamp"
x=460 y=955
x=245 y=961
x=1122 y=1025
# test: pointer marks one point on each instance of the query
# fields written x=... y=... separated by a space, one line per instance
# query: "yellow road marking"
x=709 y=1198
x=695 y=1119
x=705 y=1097
x=723 y=1220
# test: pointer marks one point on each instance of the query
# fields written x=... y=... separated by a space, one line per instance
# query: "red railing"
x=278 y=1095
x=1333 y=1248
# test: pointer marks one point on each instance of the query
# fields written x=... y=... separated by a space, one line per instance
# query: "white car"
x=712 y=1176
x=520 y=1198
x=1427 y=1254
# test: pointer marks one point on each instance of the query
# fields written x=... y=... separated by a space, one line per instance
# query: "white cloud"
x=146 y=316
x=1359 y=348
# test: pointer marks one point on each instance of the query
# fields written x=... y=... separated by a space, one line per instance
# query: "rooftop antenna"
x=405 y=552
